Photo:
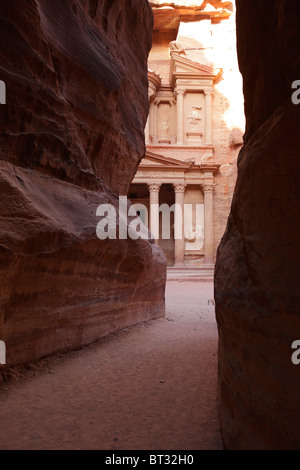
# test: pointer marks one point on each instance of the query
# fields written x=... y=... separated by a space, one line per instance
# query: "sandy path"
x=152 y=387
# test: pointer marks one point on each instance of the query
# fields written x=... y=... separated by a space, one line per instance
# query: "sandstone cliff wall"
x=258 y=270
x=72 y=136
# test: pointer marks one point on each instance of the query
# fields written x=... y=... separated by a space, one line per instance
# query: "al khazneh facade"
x=191 y=145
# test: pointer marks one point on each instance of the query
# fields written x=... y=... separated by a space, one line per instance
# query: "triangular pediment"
x=159 y=161
x=183 y=68
x=183 y=65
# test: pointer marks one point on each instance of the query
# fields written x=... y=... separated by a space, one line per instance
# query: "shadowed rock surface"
x=149 y=387
x=72 y=136
x=257 y=272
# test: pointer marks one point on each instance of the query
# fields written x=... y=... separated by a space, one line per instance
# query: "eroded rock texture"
x=258 y=266
x=72 y=135
x=169 y=14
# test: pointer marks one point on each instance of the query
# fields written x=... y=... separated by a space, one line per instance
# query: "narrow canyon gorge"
x=73 y=138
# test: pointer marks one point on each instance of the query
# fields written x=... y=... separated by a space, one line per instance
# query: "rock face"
x=195 y=10
x=72 y=136
x=169 y=14
x=258 y=267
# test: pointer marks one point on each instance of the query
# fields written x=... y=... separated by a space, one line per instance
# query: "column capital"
x=180 y=91
x=154 y=187
x=156 y=101
x=208 y=187
x=179 y=187
x=209 y=91
x=151 y=93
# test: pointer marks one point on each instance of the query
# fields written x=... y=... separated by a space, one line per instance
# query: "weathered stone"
x=196 y=116
x=168 y=14
x=236 y=137
x=72 y=137
x=258 y=270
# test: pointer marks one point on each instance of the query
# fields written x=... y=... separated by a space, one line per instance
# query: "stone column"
x=147 y=131
x=208 y=117
x=179 y=224
x=180 y=116
x=154 y=189
x=155 y=122
x=208 y=190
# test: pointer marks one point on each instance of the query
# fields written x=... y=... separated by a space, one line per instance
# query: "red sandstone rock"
x=168 y=14
x=71 y=139
x=258 y=270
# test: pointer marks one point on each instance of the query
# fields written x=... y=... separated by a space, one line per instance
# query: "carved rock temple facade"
x=193 y=133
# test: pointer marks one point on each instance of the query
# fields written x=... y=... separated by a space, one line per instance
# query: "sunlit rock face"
x=72 y=135
x=169 y=14
x=258 y=266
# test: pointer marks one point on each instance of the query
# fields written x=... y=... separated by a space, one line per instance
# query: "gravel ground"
x=151 y=387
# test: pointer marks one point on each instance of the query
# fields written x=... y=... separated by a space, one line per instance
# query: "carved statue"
x=195 y=234
x=175 y=46
x=195 y=117
x=165 y=125
x=190 y=235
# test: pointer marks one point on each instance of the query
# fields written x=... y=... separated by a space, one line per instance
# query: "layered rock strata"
x=72 y=136
x=258 y=268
